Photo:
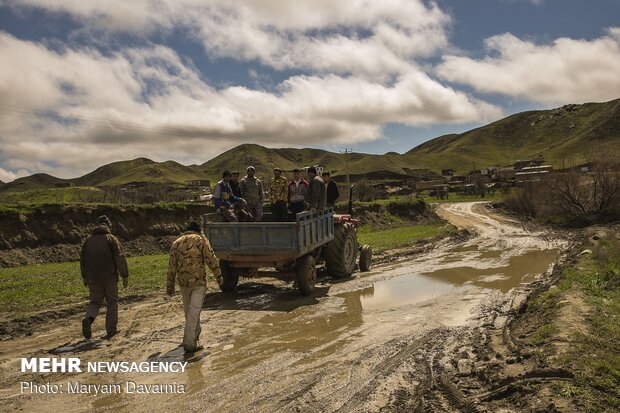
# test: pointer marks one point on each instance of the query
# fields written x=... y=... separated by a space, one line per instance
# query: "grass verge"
x=594 y=351
x=44 y=286
x=383 y=239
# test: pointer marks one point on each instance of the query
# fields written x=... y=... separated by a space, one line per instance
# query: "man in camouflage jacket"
x=278 y=193
x=188 y=256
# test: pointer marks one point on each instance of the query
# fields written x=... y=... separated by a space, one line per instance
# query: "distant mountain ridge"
x=564 y=133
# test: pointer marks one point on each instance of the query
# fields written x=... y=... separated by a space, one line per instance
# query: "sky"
x=85 y=83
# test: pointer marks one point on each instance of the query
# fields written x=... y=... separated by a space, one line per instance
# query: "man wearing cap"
x=224 y=199
x=278 y=193
x=297 y=192
x=188 y=256
x=101 y=261
x=252 y=192
x=316 y=196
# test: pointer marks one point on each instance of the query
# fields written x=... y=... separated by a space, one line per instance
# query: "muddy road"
x=407 y=336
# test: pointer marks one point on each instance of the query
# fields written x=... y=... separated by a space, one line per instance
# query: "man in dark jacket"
x=332 y=190
x=234 y=184
x=101 y=261
x=316 y=195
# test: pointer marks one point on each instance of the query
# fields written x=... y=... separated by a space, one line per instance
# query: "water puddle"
x=399 y=291
x=487 y=271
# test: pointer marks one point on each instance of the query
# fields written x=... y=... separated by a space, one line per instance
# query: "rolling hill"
x=559 y=135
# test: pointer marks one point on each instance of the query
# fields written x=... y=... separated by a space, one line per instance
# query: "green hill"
x=28 y=183
x=111 y=171
x=559 y=135
x=169 y=172
x=563 y=134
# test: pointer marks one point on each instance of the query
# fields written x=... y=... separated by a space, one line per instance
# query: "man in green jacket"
x=101 y=261
x=188 y=256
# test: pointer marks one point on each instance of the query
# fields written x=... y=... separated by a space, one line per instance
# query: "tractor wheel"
x=230 y=276
x=306 y=275
x=365 y=258
x=341 y=252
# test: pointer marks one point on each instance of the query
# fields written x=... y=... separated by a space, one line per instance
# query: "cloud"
x=350 y=37
x=7 y=176
x=567 y=70
x=65 y=111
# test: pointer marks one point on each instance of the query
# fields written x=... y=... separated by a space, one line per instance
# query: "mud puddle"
x=269 y=350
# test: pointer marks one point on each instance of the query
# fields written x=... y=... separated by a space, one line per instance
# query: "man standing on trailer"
x=316 y=195
x=297 y=192
x=331 y=189
x=252 y=192
x=278 y=193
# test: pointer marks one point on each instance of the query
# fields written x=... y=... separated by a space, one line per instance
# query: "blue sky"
x=89 y=83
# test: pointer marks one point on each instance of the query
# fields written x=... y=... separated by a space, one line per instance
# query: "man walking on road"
x=252 y=192
x=188 y=256
x=101 y=261
x=278 y=193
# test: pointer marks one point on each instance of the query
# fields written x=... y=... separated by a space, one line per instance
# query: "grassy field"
x=384 y=239
x=43 y=286
x=52 y=195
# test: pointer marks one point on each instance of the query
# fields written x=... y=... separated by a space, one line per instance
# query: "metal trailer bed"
x=292 y=248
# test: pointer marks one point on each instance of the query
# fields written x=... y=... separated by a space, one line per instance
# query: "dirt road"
x=408 y=335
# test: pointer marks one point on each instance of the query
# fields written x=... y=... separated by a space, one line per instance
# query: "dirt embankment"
x=54 y=233
x=384 y=214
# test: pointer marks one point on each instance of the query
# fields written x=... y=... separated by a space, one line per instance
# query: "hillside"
x=559 y=135
x=111 y=171
x=169 y=172
x=27 y=183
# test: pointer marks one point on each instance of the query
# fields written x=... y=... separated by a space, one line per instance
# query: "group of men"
x=243 y=200
x=102 y=259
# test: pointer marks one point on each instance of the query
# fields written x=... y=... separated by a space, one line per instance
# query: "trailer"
x=290 y=250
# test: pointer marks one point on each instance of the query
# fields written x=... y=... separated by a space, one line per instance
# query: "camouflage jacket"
x=188 y=256
x=278 y=189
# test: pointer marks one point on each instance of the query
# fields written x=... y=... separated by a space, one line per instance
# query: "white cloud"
x=381 y=37
x=120 y=114
x=8 y=176
x=567 y=70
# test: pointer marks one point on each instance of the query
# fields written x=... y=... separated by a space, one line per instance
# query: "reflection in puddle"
x=503 y=277
x=395 y=292
x=417 y=288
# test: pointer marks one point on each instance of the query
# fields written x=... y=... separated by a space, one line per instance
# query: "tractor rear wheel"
x=230 y=276
x=306 y=275
x=365 y=257
x=341 y=253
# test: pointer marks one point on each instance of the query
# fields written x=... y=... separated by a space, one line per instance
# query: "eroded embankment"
x=55 y=233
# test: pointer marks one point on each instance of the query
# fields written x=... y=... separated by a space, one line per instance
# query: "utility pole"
x=346 y=153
